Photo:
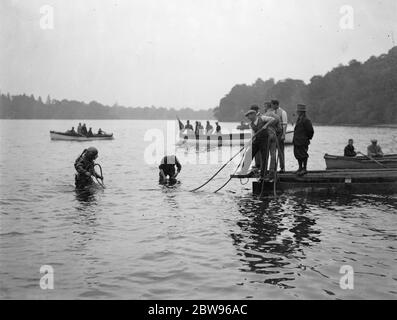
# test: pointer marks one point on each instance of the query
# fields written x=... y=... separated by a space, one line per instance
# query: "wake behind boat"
x=77 y=137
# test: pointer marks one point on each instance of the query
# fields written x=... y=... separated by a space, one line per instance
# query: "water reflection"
x=273 y=235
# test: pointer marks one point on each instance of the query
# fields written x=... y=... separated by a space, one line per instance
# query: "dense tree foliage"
x=27 y=107
x=359 y=93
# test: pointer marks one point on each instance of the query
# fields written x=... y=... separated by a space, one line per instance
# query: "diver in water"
x=84 y=166
x=167 y=168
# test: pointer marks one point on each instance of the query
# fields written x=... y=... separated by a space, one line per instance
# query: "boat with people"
x=220 y=139
x=201 y=135
x=77 y=137
x=360 y=162
x=82 y=134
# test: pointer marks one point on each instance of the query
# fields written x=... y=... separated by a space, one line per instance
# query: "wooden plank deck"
x=330 y=181
x=324 y=174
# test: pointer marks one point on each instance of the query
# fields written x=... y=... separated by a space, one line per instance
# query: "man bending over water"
x=167 y=169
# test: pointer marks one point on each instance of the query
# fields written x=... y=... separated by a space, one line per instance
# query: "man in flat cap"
x=374 y=150
x=303 y=133
x=260 y=141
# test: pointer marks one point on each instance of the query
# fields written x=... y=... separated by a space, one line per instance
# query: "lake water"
x=139 y=240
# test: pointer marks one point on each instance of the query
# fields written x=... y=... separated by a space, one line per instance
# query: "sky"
x=180 y=53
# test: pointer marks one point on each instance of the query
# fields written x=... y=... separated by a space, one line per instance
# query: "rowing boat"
x=76 y=137
x=360 y=162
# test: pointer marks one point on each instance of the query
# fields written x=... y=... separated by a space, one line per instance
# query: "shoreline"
x=386 y=125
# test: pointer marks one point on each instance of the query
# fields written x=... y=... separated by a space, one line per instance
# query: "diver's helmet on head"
x=92 y=152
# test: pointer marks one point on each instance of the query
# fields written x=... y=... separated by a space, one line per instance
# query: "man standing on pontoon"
x=303 y=133
x=260 y=142
x=281 y=135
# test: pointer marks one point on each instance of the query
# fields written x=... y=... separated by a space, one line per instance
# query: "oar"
x=369 y=157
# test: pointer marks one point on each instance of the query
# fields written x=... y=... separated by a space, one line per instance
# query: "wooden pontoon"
x=375 y=181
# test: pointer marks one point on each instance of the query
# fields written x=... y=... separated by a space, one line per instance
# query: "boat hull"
x=63 y=136
x=337 y=162
x=215 y=139
x=224 y=139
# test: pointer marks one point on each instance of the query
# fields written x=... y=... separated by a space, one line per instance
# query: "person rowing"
x=374 y=150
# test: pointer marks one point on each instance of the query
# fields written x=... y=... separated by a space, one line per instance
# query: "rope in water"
x=216 y=173
x=230 y=178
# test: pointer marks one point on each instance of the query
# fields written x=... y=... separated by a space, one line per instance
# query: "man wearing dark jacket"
x=303 y=133
x=349 y=149
x=167 y=168
x=260 y=140
x=84 y=166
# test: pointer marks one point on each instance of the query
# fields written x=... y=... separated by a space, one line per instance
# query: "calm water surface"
x=136 y=239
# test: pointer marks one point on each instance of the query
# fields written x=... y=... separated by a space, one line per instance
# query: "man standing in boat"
x=218 y=128
x=209 y=128
x=281 y=135
x=303 y=133
x=167 y=169
x=188 y=126
x=84 y=166
x=79 y=128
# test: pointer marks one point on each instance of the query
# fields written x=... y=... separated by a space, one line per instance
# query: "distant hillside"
x=359 y=93
x=28 y=107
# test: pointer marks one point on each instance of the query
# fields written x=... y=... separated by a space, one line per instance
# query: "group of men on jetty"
x=269 y=130
x=82 y=131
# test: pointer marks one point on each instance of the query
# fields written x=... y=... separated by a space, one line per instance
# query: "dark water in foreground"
x=136 y=239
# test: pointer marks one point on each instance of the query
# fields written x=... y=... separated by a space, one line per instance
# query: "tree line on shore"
x=358 y=94
x=28 y=107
